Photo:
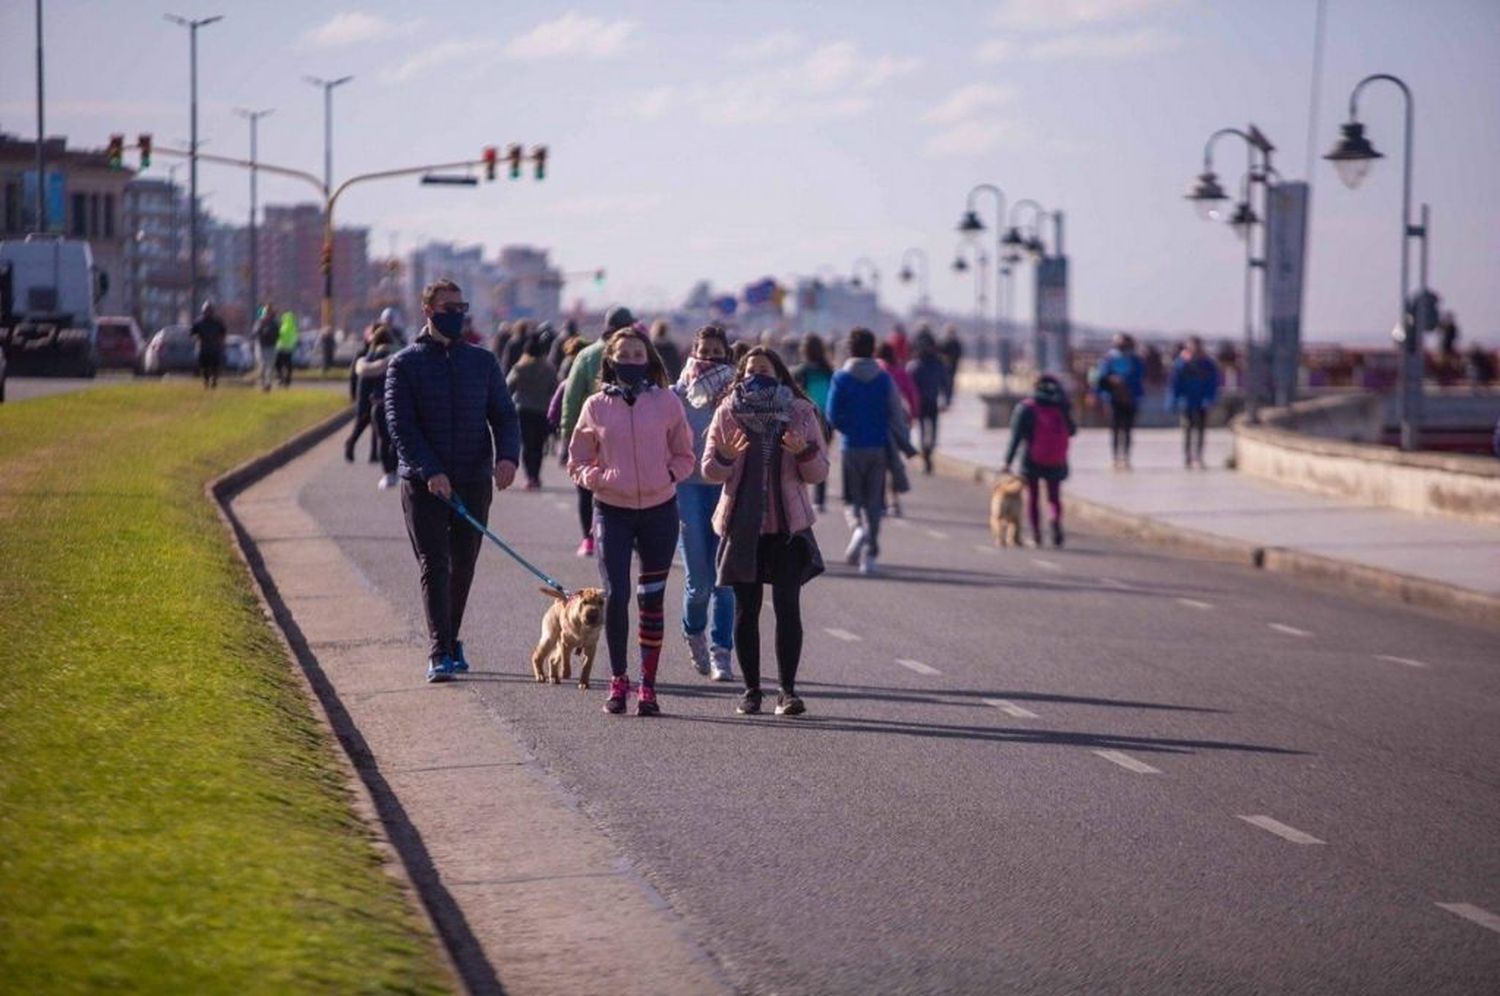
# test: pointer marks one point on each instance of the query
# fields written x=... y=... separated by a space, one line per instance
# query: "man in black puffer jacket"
x=455 y=427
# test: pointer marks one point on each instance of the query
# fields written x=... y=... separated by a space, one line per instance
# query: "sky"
x=730 y=141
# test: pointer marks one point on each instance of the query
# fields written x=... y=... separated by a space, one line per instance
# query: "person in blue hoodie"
x=1120 y=383
x=865 y=408
x=455 y=429
x=1191 y=391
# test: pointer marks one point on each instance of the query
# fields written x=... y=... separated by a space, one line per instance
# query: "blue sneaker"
x=460 y=663
x=440 y=669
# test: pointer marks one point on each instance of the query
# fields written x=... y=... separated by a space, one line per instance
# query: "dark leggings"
x=1121 y=421
x=1033 y=502
x=586 y=511
x=623 y=532
x=385 y=445
x=1194 y=425
x=364 y=415
x=927 y=427
x=785 y=572
x=534 y=430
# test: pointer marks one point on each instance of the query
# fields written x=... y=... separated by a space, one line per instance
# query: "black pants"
x=782 y=563
x=446 y=547
x=1121 y=421
x=586 y=511
x=624 y=533
x=1194 y=427
x=386 y=446
x=209 y=365
x=534 y=430
x=927 y=429
x=284 y=367
x=364 y=415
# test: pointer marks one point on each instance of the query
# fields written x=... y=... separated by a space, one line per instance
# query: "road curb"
x=368 y=802
x=1449 y=600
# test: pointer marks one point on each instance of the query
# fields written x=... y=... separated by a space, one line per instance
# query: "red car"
x=121 y=344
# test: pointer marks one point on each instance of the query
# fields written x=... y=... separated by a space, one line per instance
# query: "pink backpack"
x=1048 y=446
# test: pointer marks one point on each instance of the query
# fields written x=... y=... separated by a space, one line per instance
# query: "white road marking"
x=564 y=505
x=1011 y=709
x=1193 y=603
x=842 y=634
x=1127 y=762
x=1114 y=582
x=1468 y=911
x=1288 y=630
x=937 y=534
x=986 y=548
x=917 y=666
x=1281 y=829
x=1400 y=660
x=898 y=523
x=1046 y=564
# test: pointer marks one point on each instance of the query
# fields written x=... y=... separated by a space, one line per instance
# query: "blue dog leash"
x=457 y=504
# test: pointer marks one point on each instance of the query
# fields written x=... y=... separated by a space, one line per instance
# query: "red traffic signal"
x=539 y=157
x=115 y=154
x=514 y=154
x=491 y=158
x=143 y=141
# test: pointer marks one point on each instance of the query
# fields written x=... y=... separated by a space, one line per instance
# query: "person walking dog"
x=455 y=430
x=1044 y=423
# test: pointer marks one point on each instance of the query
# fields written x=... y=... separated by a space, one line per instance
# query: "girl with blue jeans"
x=703 y=383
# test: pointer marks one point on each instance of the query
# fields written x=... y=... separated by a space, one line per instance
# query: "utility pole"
x=327 y=257
x=41 y=131
x=193 y=26
x=254 y=118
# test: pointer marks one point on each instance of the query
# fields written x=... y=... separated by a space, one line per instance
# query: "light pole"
x=193 y=26
x=1017 y=246
x=41 y=131
x=327 y=261
x=980 y=267
x=869 y=266
x=1352 y=157
x=1210 y=201
x=907 y=274
x=254 y=118
x=970 y=226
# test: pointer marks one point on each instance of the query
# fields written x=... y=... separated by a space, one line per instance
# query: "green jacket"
x=583 y=380
x=286 y=340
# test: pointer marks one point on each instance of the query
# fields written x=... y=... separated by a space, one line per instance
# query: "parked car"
x=171 y=350
x=239 y=355
x=121 y=344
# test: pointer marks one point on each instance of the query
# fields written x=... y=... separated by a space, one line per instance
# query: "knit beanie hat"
x=617 y=318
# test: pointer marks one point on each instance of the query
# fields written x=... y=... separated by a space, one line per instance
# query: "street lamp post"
x=41 y=131
x=327 y=261
x=971 y=226
x=907 y=274
x=193 y=25
x=1352 y=157
x=980 y=267
x=254 y=118
x=869 y=267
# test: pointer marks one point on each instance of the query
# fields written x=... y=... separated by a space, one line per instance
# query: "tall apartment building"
x=530 y=287
x=290 y=245
x=465 y=266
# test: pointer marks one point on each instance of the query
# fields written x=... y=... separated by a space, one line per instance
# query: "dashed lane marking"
x=898 y=523
x=842 y=634
x=1401 y=660
x=1050 y=565
x=1281 y=830
x=1114 y=582
x=1127 y=762
x=1288 y=630
x=917 y=666
x=986 y=548
x=1011 y=709
x=1194 y=603
x=1473 y=913
x=936 y=534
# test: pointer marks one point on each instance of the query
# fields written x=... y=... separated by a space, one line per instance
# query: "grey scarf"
x=763 y=416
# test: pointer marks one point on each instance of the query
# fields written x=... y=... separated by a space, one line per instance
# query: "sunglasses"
x=456 y=307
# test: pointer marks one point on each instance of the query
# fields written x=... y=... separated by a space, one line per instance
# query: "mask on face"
x=632 y=375
x=448 y=324
x=761 y=382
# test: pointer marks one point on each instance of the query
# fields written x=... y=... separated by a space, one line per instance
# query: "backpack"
x=1048 y=445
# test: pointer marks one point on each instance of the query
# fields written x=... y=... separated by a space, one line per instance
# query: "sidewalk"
x=1444 y=563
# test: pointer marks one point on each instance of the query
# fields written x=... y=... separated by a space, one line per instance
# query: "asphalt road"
x=1098 y=769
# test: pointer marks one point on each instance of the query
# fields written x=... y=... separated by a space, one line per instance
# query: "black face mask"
x=632 y=375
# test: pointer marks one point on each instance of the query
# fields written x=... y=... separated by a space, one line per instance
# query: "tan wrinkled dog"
x=571 y=626
x=1005 y=511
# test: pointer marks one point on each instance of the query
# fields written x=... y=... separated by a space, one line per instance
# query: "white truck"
x=48 y=289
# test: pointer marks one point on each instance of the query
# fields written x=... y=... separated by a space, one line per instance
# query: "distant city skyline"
x=731 y=142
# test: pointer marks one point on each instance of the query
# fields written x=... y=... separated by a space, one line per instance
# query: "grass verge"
x=172 y=817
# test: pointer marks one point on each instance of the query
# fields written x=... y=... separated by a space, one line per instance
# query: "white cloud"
x=653 y=103
x=605 y=205
x=967 y=138
x=354 y=27
x=998 y=50
x=834 y=80
x=1062 y=15
x=572 y=34
x=1132 y=44
x=437 y=55
x=780 y=45
x=970 y=101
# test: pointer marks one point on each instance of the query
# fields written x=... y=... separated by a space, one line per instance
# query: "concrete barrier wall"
x=1322 y=446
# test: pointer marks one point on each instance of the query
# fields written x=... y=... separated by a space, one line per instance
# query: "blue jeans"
x=700 y=547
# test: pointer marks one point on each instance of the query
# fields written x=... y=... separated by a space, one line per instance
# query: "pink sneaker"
x=586 y=548
x=619 y=688
x=645 y=702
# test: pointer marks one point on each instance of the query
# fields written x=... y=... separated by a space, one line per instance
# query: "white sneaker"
x=856 y=546
x=697 y=651
x=868 y=567
x=386 y=481
x=721 y=670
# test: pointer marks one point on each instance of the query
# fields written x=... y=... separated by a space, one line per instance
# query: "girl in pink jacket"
x=765 y=445
x=631 y=446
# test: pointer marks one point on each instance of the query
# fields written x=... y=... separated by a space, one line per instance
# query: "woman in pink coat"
x=631 y=447
x=765 y=446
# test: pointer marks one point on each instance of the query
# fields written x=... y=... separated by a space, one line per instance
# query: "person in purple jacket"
x=455 y=429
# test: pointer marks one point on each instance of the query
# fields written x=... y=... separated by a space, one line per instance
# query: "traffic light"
x=599 y=277
x=539 y=156
x=514 y=154
x=143 y=140
x=491 y=157
x=115 y=155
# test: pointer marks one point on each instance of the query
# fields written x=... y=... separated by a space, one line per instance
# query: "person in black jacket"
x=210 y=333
x=455 y=428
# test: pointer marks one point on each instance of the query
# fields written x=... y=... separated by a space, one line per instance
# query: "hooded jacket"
x=863 y=404
x=1023 y=425
x=449 y=412
x=286 y=337
x=631 y=454
x=1194 y=384
x=797 y=469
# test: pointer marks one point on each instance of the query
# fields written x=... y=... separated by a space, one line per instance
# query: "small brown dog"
x=1005 y=511
x=571 y=625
